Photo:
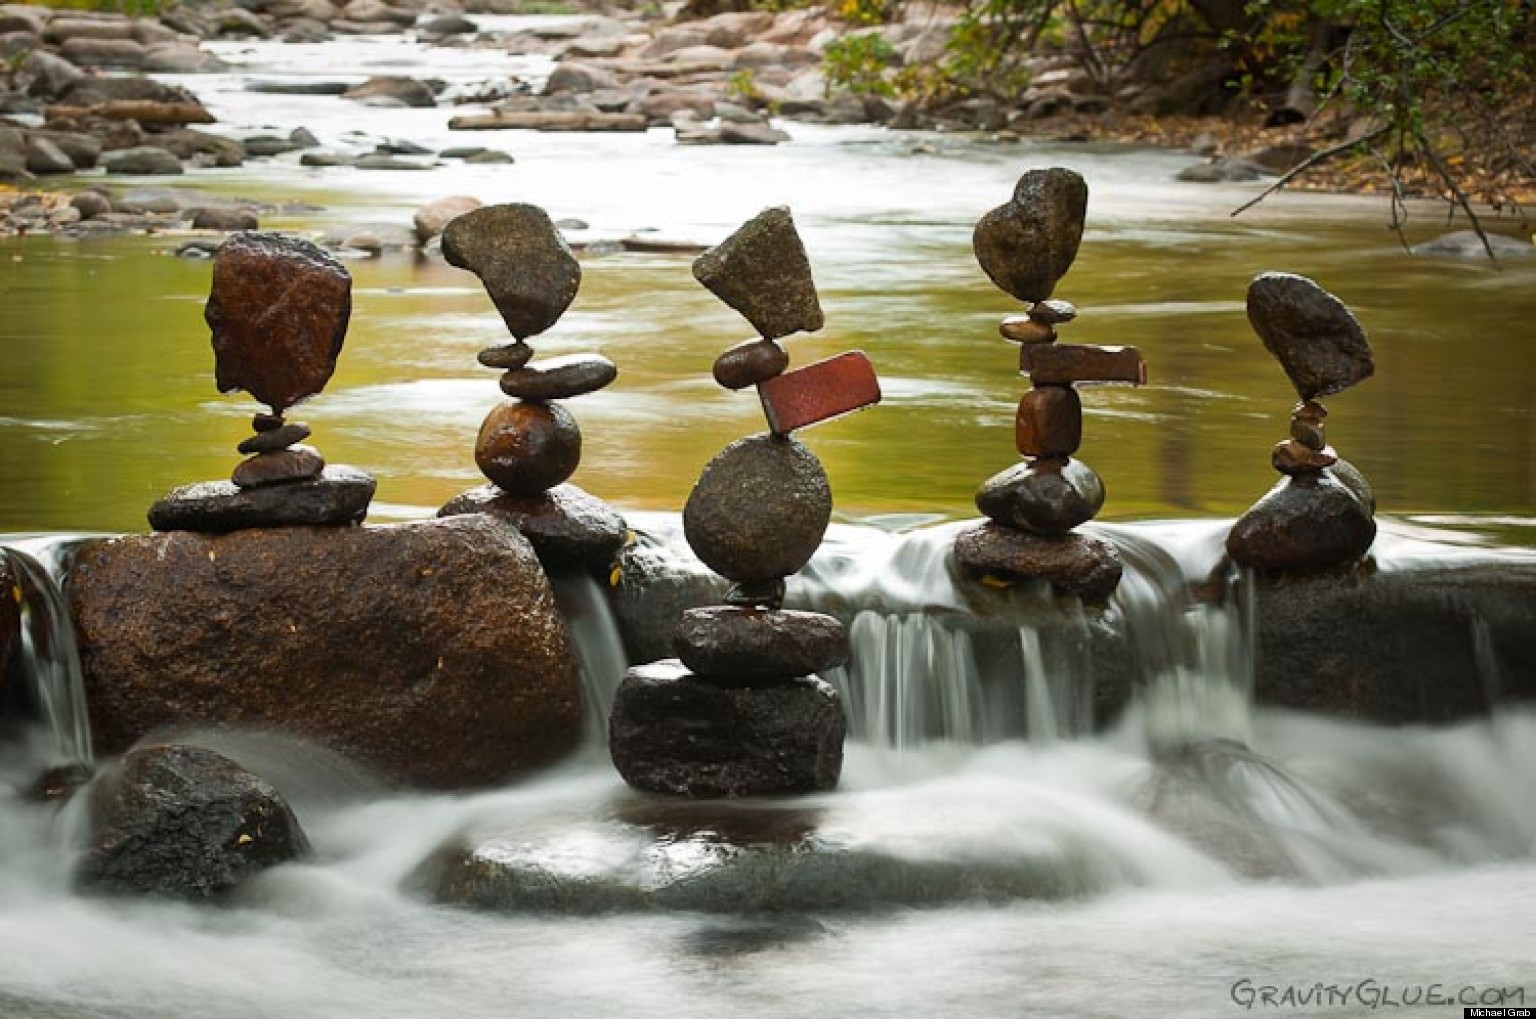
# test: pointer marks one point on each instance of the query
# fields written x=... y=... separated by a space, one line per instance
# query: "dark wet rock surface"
x=525 y=264
x=565 y=524
x=339 y=496
x=742 y=646
x=527 y=448
x=762 y=271
x=1043 y=496
x=1029 y=242
x=560 y=377
x=747 y=364
x=1076 y=564
x=1310 y=521
x=1310 y=332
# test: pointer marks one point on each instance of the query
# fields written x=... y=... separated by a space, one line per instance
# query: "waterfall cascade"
x=47 y=683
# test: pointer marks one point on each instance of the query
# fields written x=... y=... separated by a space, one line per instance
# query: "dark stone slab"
x=280 y=467
x=339 y=496
x=560 y=378
x=1061 y=364
x=528 y=448
x=1310 y=332
x=271 y=440
x=510 y=356
x=762 y=271
x=565 y=524
x=1075 y=564
x=744 y=646
x=525 y=264
x=1029 y=242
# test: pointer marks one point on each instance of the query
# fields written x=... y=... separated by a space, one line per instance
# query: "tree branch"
x=1308 y=163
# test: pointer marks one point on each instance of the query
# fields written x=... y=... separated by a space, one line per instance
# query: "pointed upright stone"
x=761 y=270
x=1028 y=243
x=525 y=264
x=278 y=309
x=1310 y=332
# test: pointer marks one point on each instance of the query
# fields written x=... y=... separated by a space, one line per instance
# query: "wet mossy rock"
x=1029 y=242
x=183 y=822
x=432 y=651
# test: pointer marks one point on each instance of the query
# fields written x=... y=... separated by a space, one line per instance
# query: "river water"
x=1407 y=853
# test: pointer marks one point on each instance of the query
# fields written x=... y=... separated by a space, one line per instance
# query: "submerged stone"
x=762 y=271
x=525 y=264
x=1076 y=564
x=339 y=496
x=565 y=524
x=528 y=448
x=1045 y=496
x=743 y=646
x=1029 y=242
x=1310 y=332
x=1311 y=521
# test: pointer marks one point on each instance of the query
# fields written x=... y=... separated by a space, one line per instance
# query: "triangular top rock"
x=525 y=264
x=761 y=270
x=1310 y=332
x=1028 y=243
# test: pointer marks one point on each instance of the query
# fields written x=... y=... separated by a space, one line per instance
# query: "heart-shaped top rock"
x=1028 y=243
x=761 y=270
x=1310 y=332
x=525 y=264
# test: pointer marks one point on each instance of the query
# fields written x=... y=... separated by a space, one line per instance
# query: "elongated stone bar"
x=1052 y=364
x=1049 y=422
x=819 y=392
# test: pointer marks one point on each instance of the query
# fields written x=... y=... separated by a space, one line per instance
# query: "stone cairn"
x=1321 y=513
x=278 y=309
x=740 y=711
x=529 y=445
x=1025 y=246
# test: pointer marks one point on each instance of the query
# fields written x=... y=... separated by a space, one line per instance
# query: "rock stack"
x=278 y=308
x=740 y=711
x=529 y=445
x=1025 y=246
x=1321 y=514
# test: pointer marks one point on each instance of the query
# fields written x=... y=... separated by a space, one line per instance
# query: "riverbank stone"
x=759 y=509
x=183 y=822
x=1307 y=522
x=1073 y=563
x=747 y=646
x=675 y=733
x=337 y=497
x=278 y=309
x=431 y=219
x=762 y=271
x=566 y=525
x=560 y=377
x=527 y=447
x=1046 y=496
x=525 y=264
x=1029 y=242
x=1316 y=339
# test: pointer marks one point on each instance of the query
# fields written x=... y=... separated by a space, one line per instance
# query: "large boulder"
x=432 y=651
x=184 y=822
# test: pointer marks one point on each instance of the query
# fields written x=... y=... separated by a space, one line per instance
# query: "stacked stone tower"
x=1321 y=513
x=279 y=309
x=741 y=711
x=1025 y=246
x=530 y=444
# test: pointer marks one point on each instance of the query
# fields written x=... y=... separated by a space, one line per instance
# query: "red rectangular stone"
x=1049 y=422
x=1060 y=364
x=819 y=392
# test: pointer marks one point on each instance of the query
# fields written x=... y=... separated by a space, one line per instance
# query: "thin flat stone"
x=1029 y=242
x=565 y=525
x=560 y=378
x=1053 y=313
x=278 y=309
x=1075 y=564
x=1049 y=422
x=508 y=356
x=296 y=463
x=525 y=264
x=762 y=271
x=746 y=646
x=1059 y=364
x=750 y=363
x=1316 y=339
x=339 y=496
x=1293 y=457
x=819 y=392
x=1024 y=329
x=1046 y=496
x=272 y=440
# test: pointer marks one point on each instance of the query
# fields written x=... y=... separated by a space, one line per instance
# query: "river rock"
x=431 y=650
x=51 y=75
x=525 y=264
x=1049 y=422
x=560 y=377
x=447 y=24
x=432 y=218
x=1310 y=332
x=1044 y=496
x=10 y=621
x=747 y=364
x=278 y=310
x=1291 y=456
x=746 y=646
x=1076 y=564
x=733 y=133
x=566 y=525
x=144 y=161
x=406 y=91
x=226 y=220
x=272 y=439
x=296 y=463
x=575 y=76
x=102 y=52
x=759 y=509
x=184 y=822
x=1312 y=521
x=528 y=448
x=1053 y=313
x=339 y=496
x=762 y=271
x=1028 y=243
x=1467 y=244
x=1026 y=329
x=205 y=148
x=44 y=157
x=510 y=356
x=83 y=150
x=672 y=732
x=91 y=204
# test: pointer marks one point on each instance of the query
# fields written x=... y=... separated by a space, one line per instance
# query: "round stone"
x=565 y=525
x=1309 y=522
x=560 y=377
x=1023 y=329
x=747 y=364
x=1053 y=312
x=1293 y=457
x=745 y=646
x=274 y=439
x=1046 y=496
x=296 y=463
x=528 y=448
x=340 y=495
x=508 y=356
x=759 y=509
x=1075 y=564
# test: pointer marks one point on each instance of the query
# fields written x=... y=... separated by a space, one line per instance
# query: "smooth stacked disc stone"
x=565 y=525
x=740 y=646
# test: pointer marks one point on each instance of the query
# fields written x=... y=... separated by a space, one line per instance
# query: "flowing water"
x=1225 y=859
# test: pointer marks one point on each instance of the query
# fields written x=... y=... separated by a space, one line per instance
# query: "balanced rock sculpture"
x=530 y=444
x=278 y=308
x=741 y=711
x=1025 y=246
x=1321 y=513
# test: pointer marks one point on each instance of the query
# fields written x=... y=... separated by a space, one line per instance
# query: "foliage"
x=859 y=62
x=865 y=12
x=743 y=86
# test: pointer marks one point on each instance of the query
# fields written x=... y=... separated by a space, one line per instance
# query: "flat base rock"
x=431 y=651
x=1074 y=564
x=1307 y=522
x=744 y=646
x=672 y=732
x=565 y=525
x=1042 y=496
x=184 y=822
x=339 y=496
